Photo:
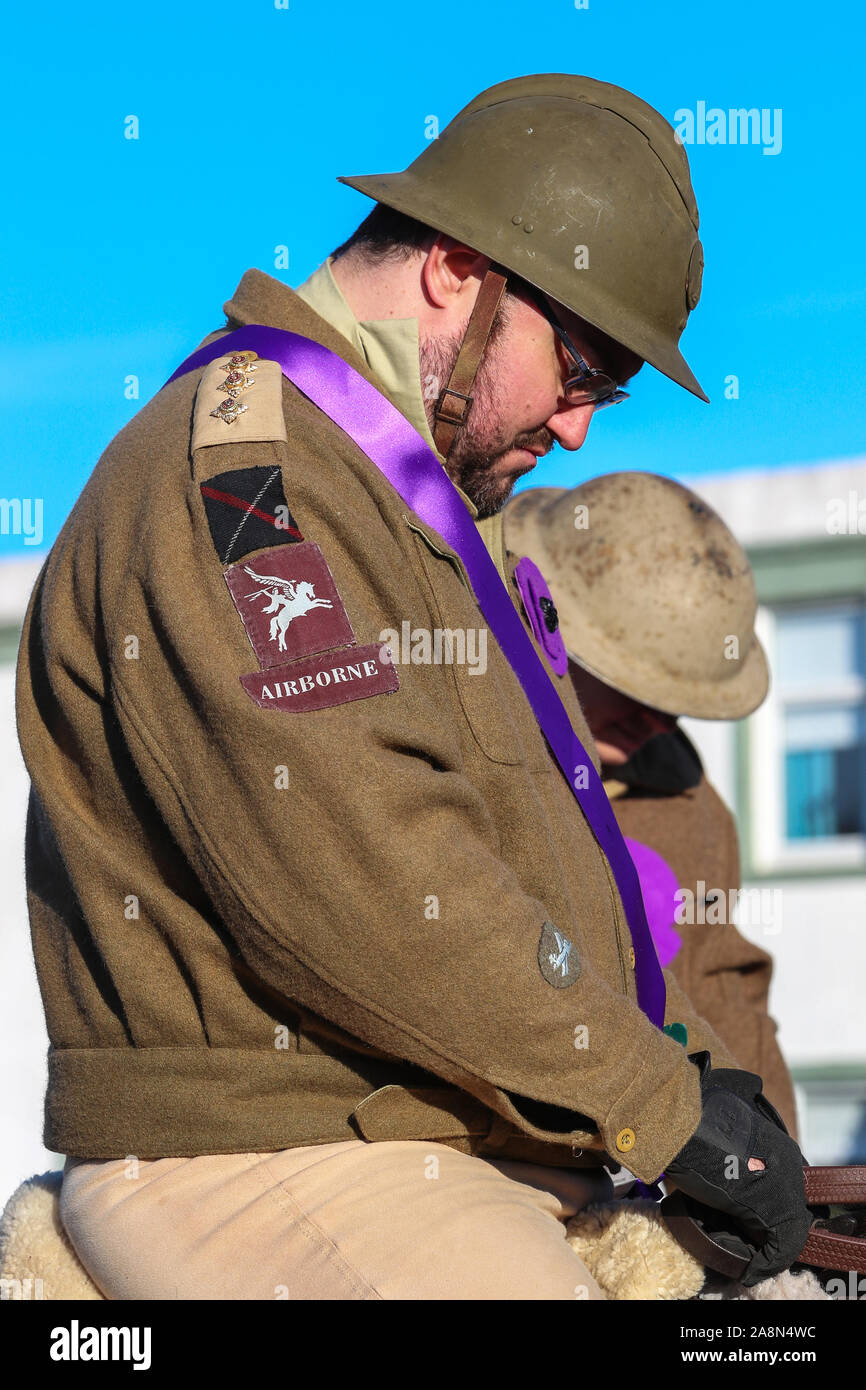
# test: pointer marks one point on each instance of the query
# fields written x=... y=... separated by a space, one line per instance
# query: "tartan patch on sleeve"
x=247 y=510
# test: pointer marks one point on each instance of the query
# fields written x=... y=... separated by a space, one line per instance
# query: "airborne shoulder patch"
x=297 y=626
x=289 y=604
x=331 y=678
x=247 y=510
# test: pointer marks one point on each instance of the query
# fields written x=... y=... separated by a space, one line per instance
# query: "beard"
x=480 y=442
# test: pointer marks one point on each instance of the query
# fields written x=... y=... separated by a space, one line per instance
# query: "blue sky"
x=118 y=254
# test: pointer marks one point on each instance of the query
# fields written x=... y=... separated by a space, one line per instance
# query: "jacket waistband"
x=177 y=1102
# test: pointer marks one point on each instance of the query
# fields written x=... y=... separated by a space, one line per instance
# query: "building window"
x=821 y=675
x=808 y=783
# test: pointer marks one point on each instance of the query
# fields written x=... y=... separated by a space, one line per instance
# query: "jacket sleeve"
x=355 y=865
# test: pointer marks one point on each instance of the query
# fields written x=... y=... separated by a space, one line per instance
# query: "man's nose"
x=569 y=424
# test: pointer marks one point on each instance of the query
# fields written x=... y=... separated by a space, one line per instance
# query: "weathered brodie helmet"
x=536 y=169
x=654 y=594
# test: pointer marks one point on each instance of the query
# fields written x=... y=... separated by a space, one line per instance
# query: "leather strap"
x=823 y=1249
x=689 y=1233
x=842 y=1185
x=827 y=1250
x=452 y=406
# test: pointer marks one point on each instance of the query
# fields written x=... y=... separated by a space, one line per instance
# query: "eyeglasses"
x=589 y=385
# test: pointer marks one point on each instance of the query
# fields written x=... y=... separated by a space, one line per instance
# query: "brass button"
x=631 y=956
x=625 y=1140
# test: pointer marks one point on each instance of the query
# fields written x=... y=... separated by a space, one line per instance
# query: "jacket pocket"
x=498 y=714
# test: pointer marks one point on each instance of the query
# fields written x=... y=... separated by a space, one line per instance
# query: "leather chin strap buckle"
x=460 y=411
x=450 y=416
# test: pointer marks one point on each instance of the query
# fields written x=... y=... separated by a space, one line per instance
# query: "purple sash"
x=413 y=470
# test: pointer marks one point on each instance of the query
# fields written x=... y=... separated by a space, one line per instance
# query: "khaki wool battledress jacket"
x=666 y=802
x=262 y=925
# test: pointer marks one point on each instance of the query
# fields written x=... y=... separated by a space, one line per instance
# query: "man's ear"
x=451 y=272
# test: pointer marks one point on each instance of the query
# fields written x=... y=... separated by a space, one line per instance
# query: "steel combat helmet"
x=654 y=594
x=581 y=189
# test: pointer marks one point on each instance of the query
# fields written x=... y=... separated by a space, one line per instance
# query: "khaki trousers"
x=351 y=1220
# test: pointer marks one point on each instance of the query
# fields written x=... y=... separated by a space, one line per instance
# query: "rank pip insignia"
x=239 y=370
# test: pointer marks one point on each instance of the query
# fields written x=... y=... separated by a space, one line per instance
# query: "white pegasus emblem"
x=563 y=946
x=289 y=599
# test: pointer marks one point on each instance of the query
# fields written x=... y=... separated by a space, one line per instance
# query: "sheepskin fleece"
x=632 y=1255
x=34 y=1245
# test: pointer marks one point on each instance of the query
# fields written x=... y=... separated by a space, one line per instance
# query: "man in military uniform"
x=656 y=605
x=344 y=998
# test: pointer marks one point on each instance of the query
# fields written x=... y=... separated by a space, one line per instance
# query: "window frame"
x=826 y=572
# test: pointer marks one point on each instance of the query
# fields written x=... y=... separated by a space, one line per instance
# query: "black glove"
x=768 y=1207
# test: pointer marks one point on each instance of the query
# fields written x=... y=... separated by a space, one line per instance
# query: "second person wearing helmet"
x=656 y=604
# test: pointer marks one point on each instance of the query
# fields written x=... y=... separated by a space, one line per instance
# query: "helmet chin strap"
x=454 y=402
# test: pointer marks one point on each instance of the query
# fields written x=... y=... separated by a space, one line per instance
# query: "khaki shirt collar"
x=388 y=346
